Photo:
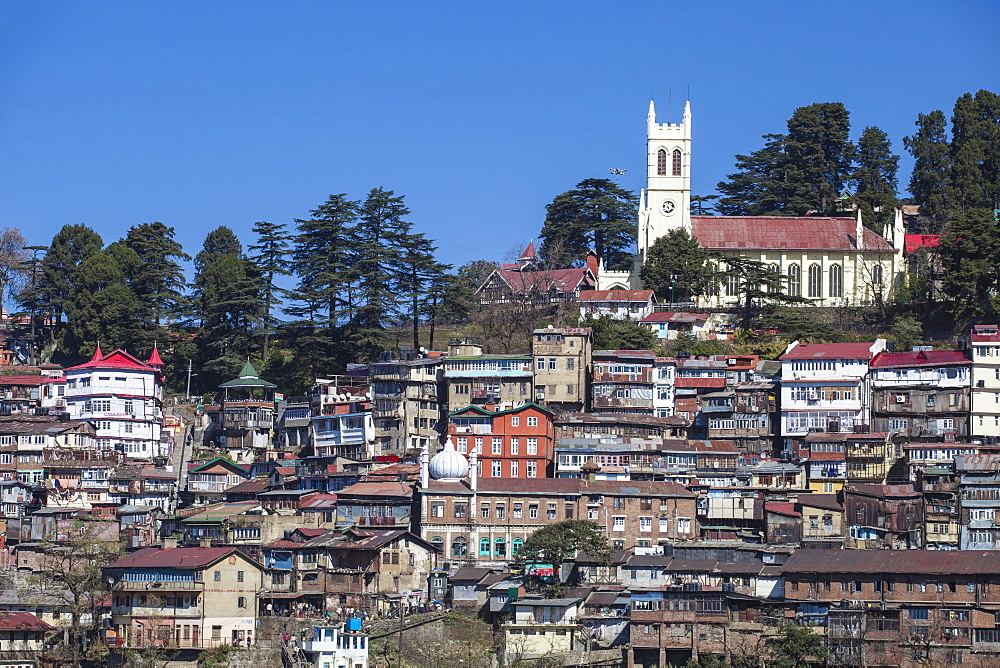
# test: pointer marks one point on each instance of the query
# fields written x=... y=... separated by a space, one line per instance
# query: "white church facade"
x=830 y=261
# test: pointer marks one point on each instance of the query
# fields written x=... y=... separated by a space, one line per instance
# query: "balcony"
x=151 y=586
x=205 y=486
x=622 y=402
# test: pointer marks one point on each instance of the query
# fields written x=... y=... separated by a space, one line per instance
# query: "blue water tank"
x=354 y=624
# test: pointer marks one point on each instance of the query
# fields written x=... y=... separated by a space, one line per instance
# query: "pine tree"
x=874 y=179
x=70 y=247
x=818 y=157
x=931 y=167
x=596 y=214
x=420 y=273
x=975 y=152
x=160 y=280
x=969 y=253
x=270 y=255
x=376 y=245
x=757 y=187
x=677 y=268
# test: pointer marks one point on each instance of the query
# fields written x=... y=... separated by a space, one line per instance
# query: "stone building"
x=562 y=364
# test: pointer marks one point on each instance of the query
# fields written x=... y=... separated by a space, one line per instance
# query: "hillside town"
x=846 y=488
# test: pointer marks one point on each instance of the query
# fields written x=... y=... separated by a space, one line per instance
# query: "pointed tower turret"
x=98 y=355
x=154 y=358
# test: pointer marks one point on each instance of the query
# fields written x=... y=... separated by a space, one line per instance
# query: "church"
x=830 y=261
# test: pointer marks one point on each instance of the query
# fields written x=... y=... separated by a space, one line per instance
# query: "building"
x=522 y=282
x=513 y=443
x=246 y=414
x=208 y=482
x=883 y=517
x=830 y=261
x=924 y=393
x=618 y=304
x=581 y=425
x=22 y=639
x=505 y=381
x=541 y=628
x=562 y=363
x=622 y=381
x=408 y=401
x=347 y=430
x=338 y=645
x=825 y=387
x=123 y=398
x=984 y=342
x=183 y=597
x=979 y=494
x=669 y=325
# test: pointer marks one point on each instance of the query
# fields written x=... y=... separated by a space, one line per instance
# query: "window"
x=540 y=364
x=645 y=524
x=877 y=277
x=532 y=469
x=495 y=468
x=815 y=281
x=661 y=162
x=463 y=444
x=484 y=547
x=515 y=421
x=484 y=511
x=501 y=511
x=461 y=510
x=532 y=421
x=437 y=509
x=217 y=576
x=732 y=284
x=533 y=511
x=438 y=542
x=500 y=547
x=513 y=469
x=569 y=511
x=479 y=445
x=532 y=446
x=497 y=445
x=515 y=546
x=241 y=601
x=552 y=364
x=459 y=547
x=619 y=524
x=570 y=364
x=918 y=613
x=551 y=511
x=677 y=162
x=664 y=524
x=683 y=525
x=515 y=445
x=836 y=280
x=239 y=576
x=517 y=510
x=794 y=280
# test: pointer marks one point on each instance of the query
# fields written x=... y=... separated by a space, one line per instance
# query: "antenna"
x=670 y=101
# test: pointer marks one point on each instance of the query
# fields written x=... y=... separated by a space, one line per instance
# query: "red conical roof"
x=98 y=355
x=154 y=357
x=529 y=252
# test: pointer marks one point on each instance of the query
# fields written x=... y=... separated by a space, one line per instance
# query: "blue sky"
x=200 y=114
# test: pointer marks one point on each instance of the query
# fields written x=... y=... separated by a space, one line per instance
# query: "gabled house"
x=523 y=282
x=619 y=304
x=513 y=443
x=209 y=481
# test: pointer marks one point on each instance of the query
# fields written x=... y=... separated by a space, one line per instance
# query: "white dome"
x=449 y=464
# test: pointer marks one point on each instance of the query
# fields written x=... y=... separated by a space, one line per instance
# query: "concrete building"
x=919 y=394
x=619 y=304
x=408 y=403
x=505 y=381
x=623 y=381
x=562 y=364
x=984 y=342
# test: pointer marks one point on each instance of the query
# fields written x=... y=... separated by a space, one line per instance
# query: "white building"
x=985 y=346
x=825 y=387
x=333 y=647
x=123 y=398
x=664 y=372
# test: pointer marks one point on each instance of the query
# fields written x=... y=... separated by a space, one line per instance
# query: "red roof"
x=119 y=359
x=615 y=296
x=985 y=334
x=912 y=242
x=377 y=489
x=560 y=280
x=699 y=383
x=782 y=508
x=154 y=358
x=920 y=358
x=829 y=351
x=173 y=557
x=22 y=621
x=782 y=232
x=675 y=316
x=24 y=380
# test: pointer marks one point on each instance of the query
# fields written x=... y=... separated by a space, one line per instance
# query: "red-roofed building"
x=671 y=324
x=829 y=261
x=515 y=443
x=538 y=287
x=22 y=639
x=825 y=387
x=123 y=397
x=984 y=344
x=619 y=304
x=923 y=393
x=190 y=598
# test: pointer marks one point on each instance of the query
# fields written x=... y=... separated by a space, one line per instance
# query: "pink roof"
x=154 y=358
x=24 y=380
x=119 y=359
x=829 y=351
x=22 y=621
x=782 y=232
x=912 y=242
x=782 y=508
x=529 y=252
x=675 y=316
x=921 y=358
x=689 y=383
x=615 y=296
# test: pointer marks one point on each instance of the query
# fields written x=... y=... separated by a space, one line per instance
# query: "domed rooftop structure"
x=448 y=465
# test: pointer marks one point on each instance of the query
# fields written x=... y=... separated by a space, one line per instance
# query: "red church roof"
x=782 y=232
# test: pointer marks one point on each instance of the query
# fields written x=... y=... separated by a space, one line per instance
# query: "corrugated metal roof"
x=915 y=562
x=782 y=232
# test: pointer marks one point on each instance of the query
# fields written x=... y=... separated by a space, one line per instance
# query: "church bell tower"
x=665 y=204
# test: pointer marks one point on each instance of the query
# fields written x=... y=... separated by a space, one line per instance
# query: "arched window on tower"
x=661 y=162
x=836 y=281
x=794 y=280
x=677 y=162
x=815 y=281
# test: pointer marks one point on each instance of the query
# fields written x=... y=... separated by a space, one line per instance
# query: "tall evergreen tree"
x=596 y=214
x=969 y=253
x=419 y=279
x=975 y=152
x=757 y=187
x=229 y=306
x=160 y=279
x=376 y=243
x=677 y=268
x=270 y=254
x=321 y=259
x=818 y=155
x=931 y=167
x=70 y=247
x=874 y=179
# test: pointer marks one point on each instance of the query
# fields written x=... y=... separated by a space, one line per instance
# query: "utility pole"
x=188 y=392
x=617 y=171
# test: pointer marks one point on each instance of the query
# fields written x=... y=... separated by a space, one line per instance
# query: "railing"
x=205 y=486
x=153 y=586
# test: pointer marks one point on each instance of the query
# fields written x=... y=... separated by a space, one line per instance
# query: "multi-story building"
x=385 y=505
x=207 y=482
x=183 y=597
x=291 y=424
x=825 y=386
x=562 y=363
x=979 y=493
x=622 y=381
x=505 y=381
x=619 y=304
x=513 y=443
x=408 y=401
x=883 y=517
x=927 y=607
x=347 y=431
x=580 y=425
x=246 y=414
x=984 y=342
x=123 y=398
x=671 y=324
x=484 y=521
x=942 y=507
x=924 y=393
x=664 y=373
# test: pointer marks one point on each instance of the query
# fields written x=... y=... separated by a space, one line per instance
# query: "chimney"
x=859 y=232
x=169 y=543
